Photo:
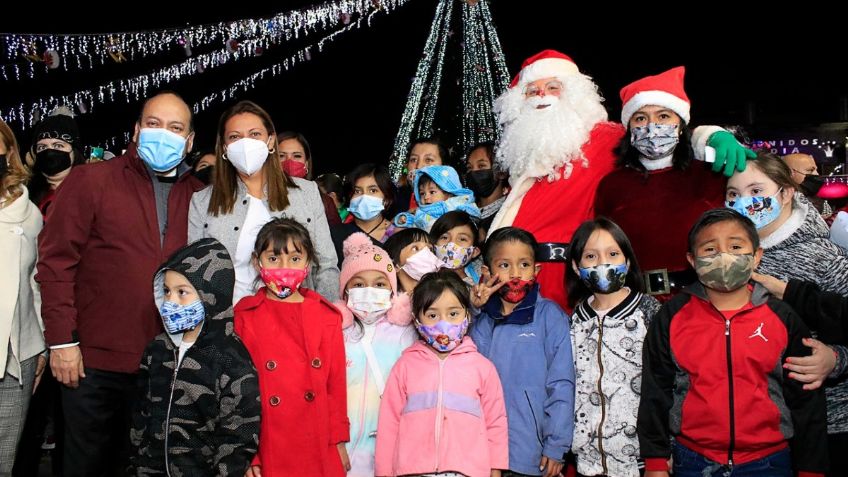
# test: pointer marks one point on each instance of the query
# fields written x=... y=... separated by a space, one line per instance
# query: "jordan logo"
x=759 y=332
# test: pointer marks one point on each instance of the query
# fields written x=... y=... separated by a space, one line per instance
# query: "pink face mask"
x=294 y=168
x=283 y=281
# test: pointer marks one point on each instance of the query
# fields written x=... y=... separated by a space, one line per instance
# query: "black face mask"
x=205 y=174
x=812 y=184
x=52 y=161
x=4 y=165
x=481 y=182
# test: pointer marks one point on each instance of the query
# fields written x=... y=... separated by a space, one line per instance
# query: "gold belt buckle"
x=663 y=277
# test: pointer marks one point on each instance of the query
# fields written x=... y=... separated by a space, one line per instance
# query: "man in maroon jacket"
x=109 y=229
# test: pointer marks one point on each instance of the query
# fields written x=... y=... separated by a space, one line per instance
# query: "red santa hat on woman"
x=664 y=89
x=545 y=64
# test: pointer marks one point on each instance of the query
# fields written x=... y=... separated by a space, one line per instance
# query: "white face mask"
x=421 y=263
x=369 y=304
x=247 y=155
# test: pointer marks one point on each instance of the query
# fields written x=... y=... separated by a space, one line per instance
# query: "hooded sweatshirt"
x=426 y=215
x=207 y=403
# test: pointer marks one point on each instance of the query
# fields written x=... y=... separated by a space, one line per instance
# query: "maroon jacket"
x=98 y=255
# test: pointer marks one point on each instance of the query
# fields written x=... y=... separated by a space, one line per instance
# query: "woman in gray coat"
x=21 y=339
x=248 y=189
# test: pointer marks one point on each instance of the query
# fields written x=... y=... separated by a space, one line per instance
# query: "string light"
x=88 y=51
x=249 y=82
x=484 y=78
x=417 y=120
x=137 y=88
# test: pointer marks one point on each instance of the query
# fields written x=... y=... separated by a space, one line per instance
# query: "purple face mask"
x=443 y=336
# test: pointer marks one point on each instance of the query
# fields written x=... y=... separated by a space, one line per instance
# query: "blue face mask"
x=160 y=149
x=761 y=210
x=365 y=207
x=606 y=278
x=179 y=318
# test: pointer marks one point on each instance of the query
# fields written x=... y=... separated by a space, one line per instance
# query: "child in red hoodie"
x=294 y=337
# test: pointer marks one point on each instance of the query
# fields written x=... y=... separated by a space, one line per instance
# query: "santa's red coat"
x=552 y=211
x=657 y=210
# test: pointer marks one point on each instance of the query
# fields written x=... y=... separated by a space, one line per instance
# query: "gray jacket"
x=305 y=206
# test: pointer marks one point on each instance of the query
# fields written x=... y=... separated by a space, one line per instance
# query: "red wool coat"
x=304 y=394
x=552 y=211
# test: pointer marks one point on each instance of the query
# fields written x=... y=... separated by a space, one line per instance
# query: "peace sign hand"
x=481 y=292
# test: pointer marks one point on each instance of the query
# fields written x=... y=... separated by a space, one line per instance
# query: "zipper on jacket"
x=168 y=414
x=439 y=403
x=535 y=421
x=730 y=387
x=601 y=394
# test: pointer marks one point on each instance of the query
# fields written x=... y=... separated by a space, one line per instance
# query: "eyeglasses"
x=551 y=88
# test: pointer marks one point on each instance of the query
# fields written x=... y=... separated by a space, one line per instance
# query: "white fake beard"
x=537 y=142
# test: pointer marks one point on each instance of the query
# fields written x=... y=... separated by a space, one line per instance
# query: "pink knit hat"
x=361 y=254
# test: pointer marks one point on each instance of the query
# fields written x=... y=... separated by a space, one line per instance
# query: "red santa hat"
x=664 y=89
x=545 y=64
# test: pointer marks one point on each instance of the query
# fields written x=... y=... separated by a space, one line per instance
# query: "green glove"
x=729 y=153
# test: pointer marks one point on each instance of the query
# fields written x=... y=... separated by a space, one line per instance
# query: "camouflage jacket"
x=199 y=417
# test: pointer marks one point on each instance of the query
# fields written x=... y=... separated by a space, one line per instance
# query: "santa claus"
x=557 y=145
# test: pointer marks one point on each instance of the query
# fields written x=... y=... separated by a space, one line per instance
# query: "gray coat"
x=305 y=206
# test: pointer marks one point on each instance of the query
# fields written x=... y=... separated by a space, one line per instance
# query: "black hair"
x=331 y=183
x=576 y=289
x=450 y=220
x=444 y=154
x=681 y=158
x=395 y=244
x=431 y=287
x=381 y=177
x=278 y=232
x=425 y=179
x=507 y=234
x=723 y=214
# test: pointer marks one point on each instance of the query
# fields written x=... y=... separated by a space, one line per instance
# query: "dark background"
x=763 y=69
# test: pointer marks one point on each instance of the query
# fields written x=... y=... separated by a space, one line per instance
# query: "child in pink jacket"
x=442 y=411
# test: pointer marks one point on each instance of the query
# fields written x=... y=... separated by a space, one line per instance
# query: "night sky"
x=778 y=68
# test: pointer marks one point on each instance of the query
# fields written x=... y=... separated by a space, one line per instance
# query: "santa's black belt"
x=662 y=282
x=552 y=252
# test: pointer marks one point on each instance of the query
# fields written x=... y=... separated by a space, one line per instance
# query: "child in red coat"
x=294 y=337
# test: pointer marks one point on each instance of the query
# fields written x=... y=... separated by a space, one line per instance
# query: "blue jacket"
x=531 y=349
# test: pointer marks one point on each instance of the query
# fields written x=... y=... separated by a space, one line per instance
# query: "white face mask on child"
x=369 y=304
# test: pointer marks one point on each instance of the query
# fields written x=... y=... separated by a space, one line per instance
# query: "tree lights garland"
x=417 y=118
x=484 y=78
x=484 y=75
x=136 y=88
x=87 y=51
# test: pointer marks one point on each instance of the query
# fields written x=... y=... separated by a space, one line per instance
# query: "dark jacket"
x=97 y=253
x=715 y=382
x=199 y=417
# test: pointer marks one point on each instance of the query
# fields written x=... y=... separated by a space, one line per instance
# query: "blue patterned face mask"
x=161 y=149
x=761 y=210
x=178 y=318
x=655 y=141
x=365 y=207
x=606 y=278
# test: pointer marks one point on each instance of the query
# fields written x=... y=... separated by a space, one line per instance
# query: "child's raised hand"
x=481 y=292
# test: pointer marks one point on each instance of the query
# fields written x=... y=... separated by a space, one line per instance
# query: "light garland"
x=484 y=75
x=413 y=122
x=137 y=88
x=484 y=78
x=249 y=82
x=87 y=51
